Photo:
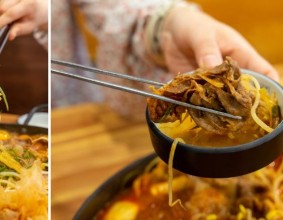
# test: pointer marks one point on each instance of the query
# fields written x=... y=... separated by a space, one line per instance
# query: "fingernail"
x=210 y=61
x=12 y=36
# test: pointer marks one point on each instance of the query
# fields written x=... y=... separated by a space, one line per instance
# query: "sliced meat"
x=231 y=105
x=218 y=88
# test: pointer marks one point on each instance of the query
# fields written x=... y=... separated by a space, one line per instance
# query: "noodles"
x=23 y=180
x=277 y=191
x=170 y=173
x=255 y=196
x=263 y=117
x=255 y=105
x=244 y=214
x=9 y=161
x=223 y=88
x=177 y=128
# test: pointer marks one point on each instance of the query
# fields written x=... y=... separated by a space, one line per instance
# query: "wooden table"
x=8 y=118
x=89 y=144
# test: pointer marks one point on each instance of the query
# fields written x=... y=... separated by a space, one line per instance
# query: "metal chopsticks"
x=4 y=33
x=104 y=72
x=128 y=89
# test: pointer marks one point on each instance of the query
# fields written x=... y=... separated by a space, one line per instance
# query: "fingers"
x=6 y=12
x=207 y=52
x=209 y=41
x=248 y=58
x=175 y=60
x=6 y=4
x=20 y=13
x=204 y=44
x=258 y=64
x=20 y=28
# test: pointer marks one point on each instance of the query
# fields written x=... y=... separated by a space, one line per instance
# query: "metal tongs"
x=128 y=89
x=4 y=34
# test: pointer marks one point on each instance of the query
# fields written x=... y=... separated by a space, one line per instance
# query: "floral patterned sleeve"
x=119 y=27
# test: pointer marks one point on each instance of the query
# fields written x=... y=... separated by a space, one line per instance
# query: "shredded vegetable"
x=23 y=176
x=9 y=161
x=255 y=105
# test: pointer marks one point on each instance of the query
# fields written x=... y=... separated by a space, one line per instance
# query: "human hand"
x=27 y=15
x=191 y=39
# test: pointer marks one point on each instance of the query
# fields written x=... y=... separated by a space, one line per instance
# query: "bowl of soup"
x=142 y=190
x=217 y=154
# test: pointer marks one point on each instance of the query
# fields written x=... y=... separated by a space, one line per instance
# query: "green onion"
x=275 y=111
x=167 y=112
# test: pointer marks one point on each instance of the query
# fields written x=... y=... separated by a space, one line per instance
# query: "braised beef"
x=218 y=88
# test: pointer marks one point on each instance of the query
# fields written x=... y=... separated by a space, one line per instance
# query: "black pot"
x=108 y=190
x=25 y=128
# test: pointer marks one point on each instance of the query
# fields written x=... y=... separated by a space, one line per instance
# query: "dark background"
x=24 y=75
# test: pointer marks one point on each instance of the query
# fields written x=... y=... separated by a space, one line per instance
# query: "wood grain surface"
x=89 y=144
x=24 y=74
x=8 y=118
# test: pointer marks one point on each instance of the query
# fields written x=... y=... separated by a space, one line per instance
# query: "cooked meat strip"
x=218 y=88
x=230 y=103
x=208 y=121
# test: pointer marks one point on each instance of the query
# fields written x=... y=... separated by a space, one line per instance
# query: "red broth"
x=202 y=198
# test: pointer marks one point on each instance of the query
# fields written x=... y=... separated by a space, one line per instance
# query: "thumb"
x=207 y=52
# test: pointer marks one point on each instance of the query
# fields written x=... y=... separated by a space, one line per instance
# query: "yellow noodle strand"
x=170 y=173
x=254 y=107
